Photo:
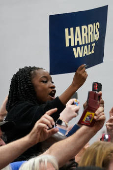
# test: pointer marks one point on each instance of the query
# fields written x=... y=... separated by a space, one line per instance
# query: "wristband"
x=73 y=130
x=60 y=121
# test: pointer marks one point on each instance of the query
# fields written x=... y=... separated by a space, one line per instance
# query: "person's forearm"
x=67 y=94
x=12 y=150
x=3 y=107
x=68 y=148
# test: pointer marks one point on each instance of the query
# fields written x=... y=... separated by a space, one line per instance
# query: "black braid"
x=21 y=87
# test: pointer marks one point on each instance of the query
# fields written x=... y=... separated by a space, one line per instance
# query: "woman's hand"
x=79 y=77
x=70 y=111
x=43 y=128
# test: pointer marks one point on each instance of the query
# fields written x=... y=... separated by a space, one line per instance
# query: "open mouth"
x=52 y=93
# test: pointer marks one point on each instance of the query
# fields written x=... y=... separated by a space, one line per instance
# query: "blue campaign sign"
x=77 y=38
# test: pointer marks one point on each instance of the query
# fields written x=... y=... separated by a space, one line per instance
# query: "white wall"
x=24 y=41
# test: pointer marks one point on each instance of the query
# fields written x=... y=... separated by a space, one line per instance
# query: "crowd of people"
x=34 y=129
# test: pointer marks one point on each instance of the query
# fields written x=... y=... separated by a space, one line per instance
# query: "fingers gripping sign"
x=80 y=76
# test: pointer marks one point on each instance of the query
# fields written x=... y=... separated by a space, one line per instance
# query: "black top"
x=25 y=114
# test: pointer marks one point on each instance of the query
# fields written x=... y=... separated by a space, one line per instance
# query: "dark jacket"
x=25 y=115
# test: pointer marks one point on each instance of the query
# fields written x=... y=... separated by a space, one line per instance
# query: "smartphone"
x=87 y=117
x=105 y=137
x=75 y=95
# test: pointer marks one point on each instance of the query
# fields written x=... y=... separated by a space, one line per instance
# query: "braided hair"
x=21 y=87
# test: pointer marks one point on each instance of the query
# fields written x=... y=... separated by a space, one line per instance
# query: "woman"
x=99 y=154
x=31 y=94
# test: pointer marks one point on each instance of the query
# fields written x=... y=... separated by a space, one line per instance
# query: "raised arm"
x=39 y=133
x=78 y=80
x=69 y=147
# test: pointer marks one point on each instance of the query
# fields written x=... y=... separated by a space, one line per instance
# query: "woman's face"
x=44 y=87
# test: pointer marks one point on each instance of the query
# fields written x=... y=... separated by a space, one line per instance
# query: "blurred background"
x=24 y=41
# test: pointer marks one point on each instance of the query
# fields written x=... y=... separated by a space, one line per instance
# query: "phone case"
x=106 y=138
x=87 y=117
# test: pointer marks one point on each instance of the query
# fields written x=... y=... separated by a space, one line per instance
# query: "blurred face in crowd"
x=1 y=141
